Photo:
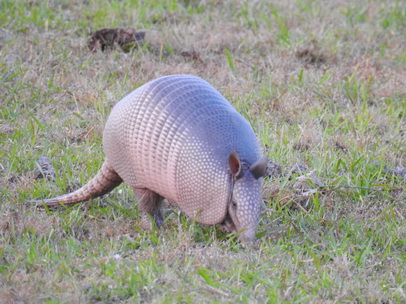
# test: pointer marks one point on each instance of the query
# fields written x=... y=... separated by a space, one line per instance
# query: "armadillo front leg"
x=149 y=204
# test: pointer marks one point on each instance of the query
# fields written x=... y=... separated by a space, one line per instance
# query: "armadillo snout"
x=245 y=209
x=247 y=235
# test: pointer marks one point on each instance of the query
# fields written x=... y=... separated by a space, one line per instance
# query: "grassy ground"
x=323 y=84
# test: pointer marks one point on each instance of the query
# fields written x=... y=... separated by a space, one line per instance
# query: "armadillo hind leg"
x=149 y=204
x=104 y=181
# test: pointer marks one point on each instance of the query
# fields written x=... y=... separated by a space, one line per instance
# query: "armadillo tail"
x=105 y=180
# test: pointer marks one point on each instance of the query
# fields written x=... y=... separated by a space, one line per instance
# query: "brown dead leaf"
x=192 y=55
x=312 y=55
x=106 y=39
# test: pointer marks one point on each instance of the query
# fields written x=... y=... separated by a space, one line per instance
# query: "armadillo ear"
x=235 y=165
x=259 y=168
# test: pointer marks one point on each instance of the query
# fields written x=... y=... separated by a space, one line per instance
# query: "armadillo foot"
x=149 y=204
x=159 y=219
x=148 y=222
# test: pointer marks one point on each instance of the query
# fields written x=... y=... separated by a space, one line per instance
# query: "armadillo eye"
x=234 y=204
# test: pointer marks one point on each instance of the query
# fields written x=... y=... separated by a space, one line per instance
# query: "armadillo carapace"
x=178 y=138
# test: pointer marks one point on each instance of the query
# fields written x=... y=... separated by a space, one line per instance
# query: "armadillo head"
x=245 y=205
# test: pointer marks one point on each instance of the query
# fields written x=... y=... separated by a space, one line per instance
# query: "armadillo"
x=177 y=137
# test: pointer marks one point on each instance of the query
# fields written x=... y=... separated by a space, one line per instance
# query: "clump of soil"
x=107 y=39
